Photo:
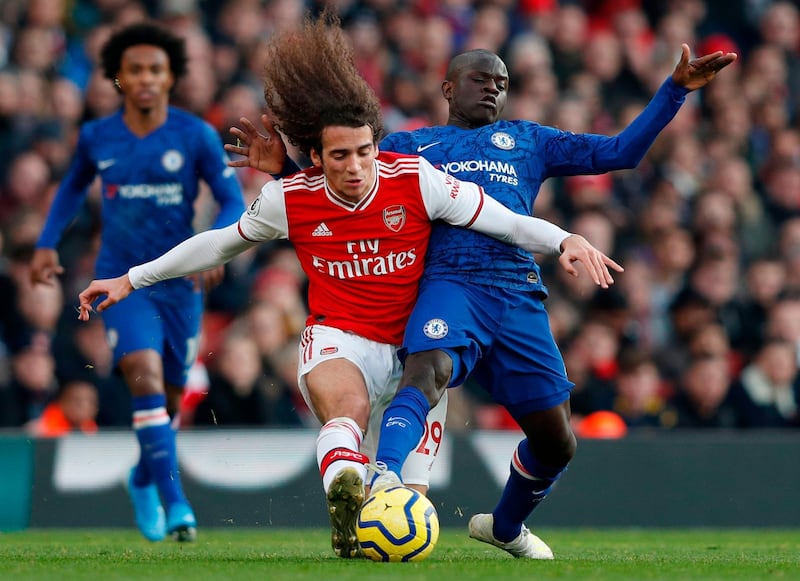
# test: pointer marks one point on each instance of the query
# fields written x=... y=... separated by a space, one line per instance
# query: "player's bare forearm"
x=114 y=289
x=575 y=248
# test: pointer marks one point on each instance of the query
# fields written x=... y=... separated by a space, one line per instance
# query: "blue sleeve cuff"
x=675 y=90
x=289 y=167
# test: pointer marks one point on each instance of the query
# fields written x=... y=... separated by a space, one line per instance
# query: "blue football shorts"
x=165 y=317
x=500 y=336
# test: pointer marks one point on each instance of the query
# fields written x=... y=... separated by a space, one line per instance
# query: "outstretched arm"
x=543 y=237
x=585 y=153
x=466 y=204
x=197 y=254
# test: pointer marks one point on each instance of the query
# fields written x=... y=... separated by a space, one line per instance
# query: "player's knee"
x=566 y=448
x=555 y=446
x=428 y=371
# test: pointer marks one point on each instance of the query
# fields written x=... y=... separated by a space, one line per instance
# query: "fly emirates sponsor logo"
x=498 y=171
x=366 y=259
x=164 y=194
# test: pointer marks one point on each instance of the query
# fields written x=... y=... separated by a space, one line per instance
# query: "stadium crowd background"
x=703 y=328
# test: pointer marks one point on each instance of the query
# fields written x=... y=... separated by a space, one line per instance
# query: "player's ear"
x=316 y=158
x=447 y=89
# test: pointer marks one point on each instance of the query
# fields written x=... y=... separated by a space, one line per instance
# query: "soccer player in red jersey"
x=359 y=220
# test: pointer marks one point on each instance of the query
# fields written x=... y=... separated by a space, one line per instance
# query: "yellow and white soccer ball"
x=397 y=524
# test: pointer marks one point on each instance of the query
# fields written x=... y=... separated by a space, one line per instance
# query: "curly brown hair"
x=311 y=82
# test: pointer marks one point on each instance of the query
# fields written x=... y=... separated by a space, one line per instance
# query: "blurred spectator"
x=765 y=280
x=569 y=36
x=73 y=410
x=82 y=353
x=702 y=397
x=405 y=108
x=789 y=252
x=32 y=386
x=240 y=393
x=733 y=177
x=689 y=311
x=717 y=277
x=641 y=398
x=767 y=393
x=591 y=360
x=783 y=321
x=280 y=287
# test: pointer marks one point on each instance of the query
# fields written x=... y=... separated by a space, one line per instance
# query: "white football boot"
x=525 y=546
x=386 y=478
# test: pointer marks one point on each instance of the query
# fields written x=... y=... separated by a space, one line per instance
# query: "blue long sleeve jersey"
x=511 y=159
x=149 y=186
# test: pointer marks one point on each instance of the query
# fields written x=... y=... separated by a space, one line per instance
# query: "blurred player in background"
x=360 y=222
x=149 y=157
x=493 y=324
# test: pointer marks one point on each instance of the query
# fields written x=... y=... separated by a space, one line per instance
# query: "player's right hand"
x=264 y=152
x=45 y=266
x=114 y=289
x=575 y=248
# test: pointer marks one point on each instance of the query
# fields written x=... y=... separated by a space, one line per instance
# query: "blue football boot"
x=147 y=509
x=181 y=524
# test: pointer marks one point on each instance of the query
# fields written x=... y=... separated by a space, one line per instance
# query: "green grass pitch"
x=302 y=554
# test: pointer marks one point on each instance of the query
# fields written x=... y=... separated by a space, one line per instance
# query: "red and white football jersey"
x=363 y=260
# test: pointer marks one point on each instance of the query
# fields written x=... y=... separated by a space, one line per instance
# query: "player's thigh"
x=454 y=317
x=525 y=371
x=342 y=374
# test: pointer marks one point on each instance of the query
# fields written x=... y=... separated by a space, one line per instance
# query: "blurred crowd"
x=702 y=330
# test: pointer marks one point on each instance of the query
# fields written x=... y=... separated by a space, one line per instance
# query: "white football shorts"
x=382 y=370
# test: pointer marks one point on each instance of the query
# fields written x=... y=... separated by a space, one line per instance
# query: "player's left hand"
x=208 y=279
x=114 y=289
x=575 y=248
x=696 y=73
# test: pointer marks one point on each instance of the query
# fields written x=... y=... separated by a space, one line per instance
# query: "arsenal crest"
x=394 y=217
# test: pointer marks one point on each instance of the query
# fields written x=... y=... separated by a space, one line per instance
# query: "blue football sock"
x=527 y=485
x=403 y=426
x=141 y=474
x=152 y=425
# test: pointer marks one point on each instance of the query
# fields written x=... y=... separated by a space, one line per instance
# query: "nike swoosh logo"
x=105 y=164
x=421 y=148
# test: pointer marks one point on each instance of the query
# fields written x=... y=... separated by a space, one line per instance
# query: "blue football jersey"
x=149 y=186
x=511 y=159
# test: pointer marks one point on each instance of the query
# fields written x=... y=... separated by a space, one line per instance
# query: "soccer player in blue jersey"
x=150 y=157
x=493 y=324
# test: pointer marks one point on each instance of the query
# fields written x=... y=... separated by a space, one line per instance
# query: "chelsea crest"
x=503 y=140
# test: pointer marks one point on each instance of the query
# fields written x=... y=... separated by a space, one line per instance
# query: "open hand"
x=575 y=248
x=696 y=73
x=262 y=151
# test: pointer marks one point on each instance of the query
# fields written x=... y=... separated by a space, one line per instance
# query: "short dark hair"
x=138 y=34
